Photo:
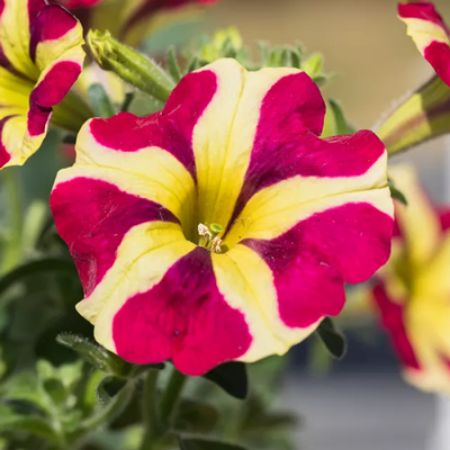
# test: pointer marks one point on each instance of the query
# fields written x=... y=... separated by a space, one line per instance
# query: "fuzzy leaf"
x=94 y=354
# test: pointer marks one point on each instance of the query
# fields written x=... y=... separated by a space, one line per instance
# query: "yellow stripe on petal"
x=427 y=322
x=274 y=210
x=17 y=141
x=151 y=172
x=144 y=256
x=246 y=282
x=223 y=137
x=433 y=280
x=14 y=91
x=15 y=36
x=423 y=32
x=418 y=221
x=65 y=48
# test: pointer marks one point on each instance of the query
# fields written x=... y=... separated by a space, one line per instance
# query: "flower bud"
x=132 y=66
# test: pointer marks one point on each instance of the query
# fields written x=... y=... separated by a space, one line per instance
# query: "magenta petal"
x=393 y=321
x=308 y=287
x=56 y=83
x=4 y=155
x=421 y=10
x=355 y=237
x=38 y=119
x=183 y=318
x=438 y=55
x=444 y=217
x=92 y=217
x=312 y=261
x=172 y=129
x=52 y=22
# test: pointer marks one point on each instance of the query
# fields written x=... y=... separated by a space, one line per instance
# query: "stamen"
x=209 y=237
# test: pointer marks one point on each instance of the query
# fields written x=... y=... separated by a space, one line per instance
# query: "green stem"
x=171 y=396
x=157 y=425
x=152 y=424
x=13 y=199
x=113 y=410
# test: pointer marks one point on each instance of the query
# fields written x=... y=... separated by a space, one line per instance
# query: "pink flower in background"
x=222 y=228
x=413 y=290
x=41 y=57
x=430 y=34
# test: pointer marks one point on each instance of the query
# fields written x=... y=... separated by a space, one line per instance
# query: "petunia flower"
x=221 y=228
x=413 y=291
x=41 y=57
x=430 y=34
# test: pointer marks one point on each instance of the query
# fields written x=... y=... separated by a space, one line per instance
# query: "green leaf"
x=204 y=444
x=33 y=268
x=396 y=194
x=194 y=416
x=56 y=390
x=24 y=387
x=109 y=409
x=342 y=126
x=424 y=115
x=335 y=122
x=94 y=354
x=232 y=378
x=99 y=101
x=15 y=423
x=172 y=64
x=333 y=340
x=313 y=66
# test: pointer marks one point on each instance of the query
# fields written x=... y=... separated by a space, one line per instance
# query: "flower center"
x=209 y=237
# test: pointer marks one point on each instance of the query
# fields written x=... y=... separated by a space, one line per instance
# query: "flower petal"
x=393 y=320
x=232 y=135
x=350 y=169
x=430 y=34
x=41 y=58
x=281 y=309
x=312 y=260
x=125 y=150
x=417 y=216
x=183 y=317
x=93 y=217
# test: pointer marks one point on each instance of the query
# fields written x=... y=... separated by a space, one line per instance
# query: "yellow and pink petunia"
x=430 y=34
x=41 y=57
x=223 y=227
x=413 y=290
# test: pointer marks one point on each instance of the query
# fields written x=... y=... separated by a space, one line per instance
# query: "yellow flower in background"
x=41 y=57
x=413 y=290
